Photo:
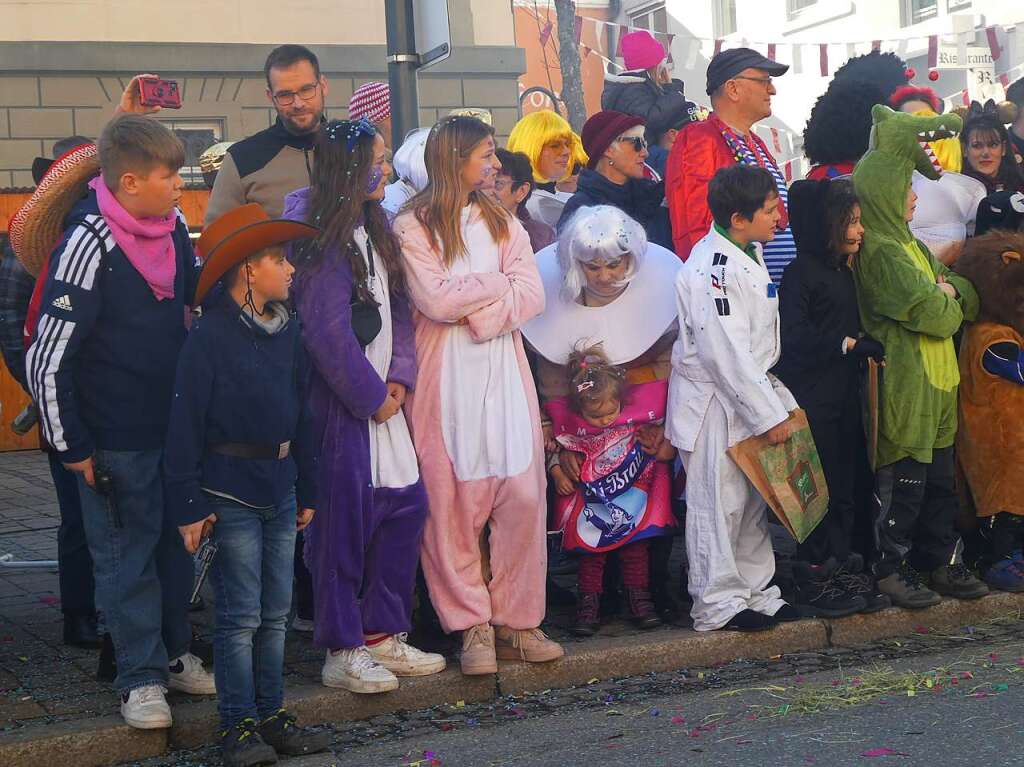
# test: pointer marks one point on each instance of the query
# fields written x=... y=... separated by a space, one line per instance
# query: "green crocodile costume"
x=900 y=302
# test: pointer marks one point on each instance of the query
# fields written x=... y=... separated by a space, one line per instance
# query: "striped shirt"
x=780 y=251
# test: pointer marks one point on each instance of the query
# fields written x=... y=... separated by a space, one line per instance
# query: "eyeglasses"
x=639 y=142
x=287 y=98
x=765 y=81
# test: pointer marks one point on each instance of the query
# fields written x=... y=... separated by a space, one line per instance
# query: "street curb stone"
x=107 y=740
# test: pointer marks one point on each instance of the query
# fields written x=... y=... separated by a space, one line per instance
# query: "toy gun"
x=203 y=559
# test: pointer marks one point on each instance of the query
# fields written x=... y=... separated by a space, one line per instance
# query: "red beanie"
x=641 y=51
x=372 y=101
x=601 y=129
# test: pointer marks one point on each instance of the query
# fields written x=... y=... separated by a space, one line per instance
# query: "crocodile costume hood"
x=900 y=301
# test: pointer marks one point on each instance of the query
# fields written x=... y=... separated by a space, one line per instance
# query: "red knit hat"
x=601 y=129
x=372 y=101
x=641 y=51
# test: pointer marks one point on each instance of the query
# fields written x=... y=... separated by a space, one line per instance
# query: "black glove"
x=867 y=346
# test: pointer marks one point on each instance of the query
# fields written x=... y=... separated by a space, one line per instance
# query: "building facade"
x=64 y=64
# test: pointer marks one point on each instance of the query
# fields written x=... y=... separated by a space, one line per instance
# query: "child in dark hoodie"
x=239 y=466
x=823 y=352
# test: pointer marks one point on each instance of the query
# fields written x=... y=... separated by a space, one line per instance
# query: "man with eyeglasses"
x=264 y=167
x=739 y=82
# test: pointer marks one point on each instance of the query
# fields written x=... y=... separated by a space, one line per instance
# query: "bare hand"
x=389 y=408
x=651 y=437
x=131 y=99
x=550 y=443
x=570 y=463
x=397 y=391
x=303 y=518
x=193 y=534
x=779 y=433
x=85 y=468
x=945 y=287
x=563 y=485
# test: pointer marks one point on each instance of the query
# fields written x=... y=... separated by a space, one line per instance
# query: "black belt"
x=256 y=452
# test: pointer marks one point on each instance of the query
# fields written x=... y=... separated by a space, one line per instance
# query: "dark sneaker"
x=664 y=604
x=787 y=614
x=957 y=581
x=80 y=631
x=852 y=576
x=1006 y=574
x=820 y=594
x=749 y=620
x=106 y=669
x=906 y=589
x=641 y=609
x=282 y=733
x=588 y=615
x=242 y=746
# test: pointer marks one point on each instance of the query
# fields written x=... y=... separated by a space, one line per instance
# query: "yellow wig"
x=537 y=129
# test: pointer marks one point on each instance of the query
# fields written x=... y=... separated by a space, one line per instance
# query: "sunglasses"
x=639 y=142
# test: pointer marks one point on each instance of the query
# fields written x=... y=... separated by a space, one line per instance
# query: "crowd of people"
x=373 y=365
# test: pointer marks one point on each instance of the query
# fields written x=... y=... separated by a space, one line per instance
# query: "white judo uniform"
x=721 y=393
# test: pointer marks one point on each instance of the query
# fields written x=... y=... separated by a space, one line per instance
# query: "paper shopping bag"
x=788 y=476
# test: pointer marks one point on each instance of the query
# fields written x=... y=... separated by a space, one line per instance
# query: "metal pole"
x=402 y=65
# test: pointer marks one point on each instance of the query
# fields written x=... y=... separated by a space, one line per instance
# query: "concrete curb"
x=107 y=740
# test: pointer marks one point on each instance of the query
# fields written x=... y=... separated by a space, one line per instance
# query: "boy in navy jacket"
x=101 y=367
x=240 y=467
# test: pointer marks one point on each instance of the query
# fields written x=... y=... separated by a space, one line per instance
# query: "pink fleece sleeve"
x=525 y=297
x=436 y=292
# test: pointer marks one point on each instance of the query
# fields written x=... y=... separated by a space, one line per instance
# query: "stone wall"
x=52 y=90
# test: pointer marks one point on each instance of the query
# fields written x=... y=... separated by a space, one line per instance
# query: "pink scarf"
x=146 y=242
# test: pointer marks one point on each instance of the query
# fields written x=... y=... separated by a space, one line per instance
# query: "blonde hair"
x=136 y=144
x=438 y=206
x=537 y=129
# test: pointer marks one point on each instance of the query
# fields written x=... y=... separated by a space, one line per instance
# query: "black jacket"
x=640 y=199
x=817 y=309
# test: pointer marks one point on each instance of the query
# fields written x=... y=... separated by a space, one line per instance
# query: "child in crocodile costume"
x=913 y=305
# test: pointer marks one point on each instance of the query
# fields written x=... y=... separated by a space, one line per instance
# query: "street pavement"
x=929 y=699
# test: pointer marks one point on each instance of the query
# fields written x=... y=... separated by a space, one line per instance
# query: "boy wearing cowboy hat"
x=238 y=467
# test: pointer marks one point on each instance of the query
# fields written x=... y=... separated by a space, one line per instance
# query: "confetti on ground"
x=883 y=752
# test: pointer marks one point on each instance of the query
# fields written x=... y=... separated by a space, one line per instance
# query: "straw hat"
x=238 y=234
x=38 y=225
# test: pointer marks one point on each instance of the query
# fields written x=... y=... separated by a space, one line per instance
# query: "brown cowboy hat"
x=37 y=226
x=238 y=234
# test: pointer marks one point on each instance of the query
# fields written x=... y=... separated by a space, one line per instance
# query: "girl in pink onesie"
x=472 y=278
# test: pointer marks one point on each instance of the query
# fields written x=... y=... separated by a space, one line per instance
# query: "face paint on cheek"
x=376 y=174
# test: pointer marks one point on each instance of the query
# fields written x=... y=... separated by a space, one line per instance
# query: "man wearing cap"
x=266 y=166
x=240 y=467
x=373 y=101
x=739 y=82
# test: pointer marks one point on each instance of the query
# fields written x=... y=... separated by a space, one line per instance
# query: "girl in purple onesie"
x=350 y=296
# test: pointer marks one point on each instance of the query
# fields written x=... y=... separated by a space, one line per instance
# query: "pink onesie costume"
x=476 y=424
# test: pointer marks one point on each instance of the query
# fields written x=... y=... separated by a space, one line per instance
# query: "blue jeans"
x=143 y=573
x=252 y=586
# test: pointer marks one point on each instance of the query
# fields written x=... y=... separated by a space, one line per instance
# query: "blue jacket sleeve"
x=70 y=304
x=403 y=344
x=306 y=448
x=186 y=433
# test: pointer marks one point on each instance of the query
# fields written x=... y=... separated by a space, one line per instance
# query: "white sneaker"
x=355 y=670
x=402 y=659
x=186 y=674
x=145 y=708
x=302 y=625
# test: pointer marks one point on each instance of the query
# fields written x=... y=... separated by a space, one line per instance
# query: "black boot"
x=80 y=631
x=819 y=594
x=242 y=746
x=857 y=581
x=106 y=670
x=588 y=615
x=641 y=609
x=282 y=733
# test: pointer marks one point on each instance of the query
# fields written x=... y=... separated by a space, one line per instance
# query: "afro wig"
x=840 y=122
x=886 y=70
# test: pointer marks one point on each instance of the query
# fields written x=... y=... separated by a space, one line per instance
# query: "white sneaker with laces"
x=186 y=674
x=402 y=659
x=355 y=670
x=145 y=708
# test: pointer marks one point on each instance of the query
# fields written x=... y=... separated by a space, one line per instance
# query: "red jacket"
x=699 y=150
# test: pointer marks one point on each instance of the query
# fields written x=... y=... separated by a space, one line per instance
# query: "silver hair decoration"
x=598 y=233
